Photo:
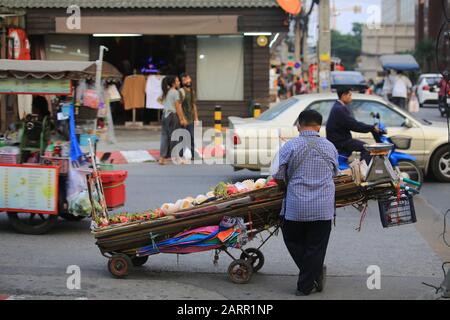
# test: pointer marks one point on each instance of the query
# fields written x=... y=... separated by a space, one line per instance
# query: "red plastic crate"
x=114 y=187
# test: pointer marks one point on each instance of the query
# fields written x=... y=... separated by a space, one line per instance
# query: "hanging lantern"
x=293 y=7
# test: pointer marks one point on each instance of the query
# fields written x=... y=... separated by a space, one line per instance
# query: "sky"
x=346 y=18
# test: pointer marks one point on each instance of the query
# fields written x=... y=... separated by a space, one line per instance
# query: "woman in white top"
x=401 y=90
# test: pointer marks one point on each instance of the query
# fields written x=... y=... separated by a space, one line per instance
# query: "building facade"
x=218 y=42
x=395 y=35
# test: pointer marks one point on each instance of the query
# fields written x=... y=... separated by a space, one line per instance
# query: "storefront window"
x=63 y=47
x=220 y=68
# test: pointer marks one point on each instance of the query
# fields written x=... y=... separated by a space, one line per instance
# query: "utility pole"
x=324 y=47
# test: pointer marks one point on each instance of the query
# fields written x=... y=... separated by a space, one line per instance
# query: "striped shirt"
x=311 y=191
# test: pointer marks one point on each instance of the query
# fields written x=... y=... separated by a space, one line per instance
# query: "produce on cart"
x=231 y=214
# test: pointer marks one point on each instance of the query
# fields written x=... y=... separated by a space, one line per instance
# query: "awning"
x=47 y=69
x=153 y=25
x=400 y=62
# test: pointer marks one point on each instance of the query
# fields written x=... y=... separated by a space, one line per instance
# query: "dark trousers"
x=191 y=143
x=307 y=243
x=355 y=145
x=169 y=125
x=401 y=102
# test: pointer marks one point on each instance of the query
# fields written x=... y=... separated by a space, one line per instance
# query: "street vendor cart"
x=38 y=164
x=232 y=214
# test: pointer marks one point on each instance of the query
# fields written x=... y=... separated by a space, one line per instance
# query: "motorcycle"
x=444 y=106
x=405 y=163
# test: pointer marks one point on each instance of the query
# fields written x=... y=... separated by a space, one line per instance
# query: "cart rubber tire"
x=120 y=265
x=71 y=217
x=240 y=271
x=139 y=261
x=255 y=257
x=25 y=226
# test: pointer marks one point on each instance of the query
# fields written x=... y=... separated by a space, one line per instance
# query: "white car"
x=428 y=88
x=254 y=142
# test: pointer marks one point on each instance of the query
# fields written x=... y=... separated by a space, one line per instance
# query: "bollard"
x=218 y=126
x=256 y=110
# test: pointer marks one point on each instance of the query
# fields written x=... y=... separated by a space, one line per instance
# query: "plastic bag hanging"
x=75 y=151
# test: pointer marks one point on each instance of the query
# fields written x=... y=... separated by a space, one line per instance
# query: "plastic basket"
x=395 y=212
x=401 y=142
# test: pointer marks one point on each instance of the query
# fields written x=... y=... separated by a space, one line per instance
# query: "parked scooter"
x=405 y=163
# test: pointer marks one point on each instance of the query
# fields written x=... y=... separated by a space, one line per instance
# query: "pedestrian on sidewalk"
x=402 y=90
x=307 y=165
x=189 y=106
x=172 y=118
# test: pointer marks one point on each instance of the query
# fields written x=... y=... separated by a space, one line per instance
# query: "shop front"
x=223 y=45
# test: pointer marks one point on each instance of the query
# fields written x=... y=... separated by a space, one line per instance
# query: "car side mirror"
x=408 y=123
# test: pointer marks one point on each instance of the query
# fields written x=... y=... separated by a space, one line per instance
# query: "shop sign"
x=36 y=86
x=29 y=188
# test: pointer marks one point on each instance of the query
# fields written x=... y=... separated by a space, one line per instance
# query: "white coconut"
x=185 y=204
x=169 y=208
x=179 y=203
x=240 y=186
x=260 y=183
x=249 y=184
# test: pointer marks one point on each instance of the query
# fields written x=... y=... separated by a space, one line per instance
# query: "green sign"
x=36 y=86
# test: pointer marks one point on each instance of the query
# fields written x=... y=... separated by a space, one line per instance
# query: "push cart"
x=129 y=244
x=43 y=78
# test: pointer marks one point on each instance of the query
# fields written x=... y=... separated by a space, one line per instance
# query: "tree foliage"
x=347 y=47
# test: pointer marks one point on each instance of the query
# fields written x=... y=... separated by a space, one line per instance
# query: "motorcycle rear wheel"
x=411 y=171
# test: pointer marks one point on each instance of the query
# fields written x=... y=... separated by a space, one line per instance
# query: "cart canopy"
x=400 y=62
x=42 y=69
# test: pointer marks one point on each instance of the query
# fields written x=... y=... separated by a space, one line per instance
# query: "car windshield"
x=410 y=115
x=433 y=81
x=347 y=78
x=278 y=109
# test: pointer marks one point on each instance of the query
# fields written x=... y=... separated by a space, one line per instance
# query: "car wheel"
x=440 y=164
x=420 y=105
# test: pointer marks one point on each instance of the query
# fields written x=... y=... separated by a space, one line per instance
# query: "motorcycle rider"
x=340 y=124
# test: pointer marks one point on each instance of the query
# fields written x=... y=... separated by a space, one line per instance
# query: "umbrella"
x=400 y=62
x=196 y=240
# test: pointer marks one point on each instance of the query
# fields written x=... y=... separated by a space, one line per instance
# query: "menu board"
x=26 y=188
x=36 y=86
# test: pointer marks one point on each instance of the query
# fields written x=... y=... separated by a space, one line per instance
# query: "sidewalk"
x=139 y=146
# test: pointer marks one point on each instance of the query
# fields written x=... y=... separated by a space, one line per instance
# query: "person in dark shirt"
x=340 y=124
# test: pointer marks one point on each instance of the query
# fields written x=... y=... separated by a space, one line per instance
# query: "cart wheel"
x=139 y=261
x=119 y=265
x=71 y=217
x=240 y=271
x=32 y=223
x=255 y=257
